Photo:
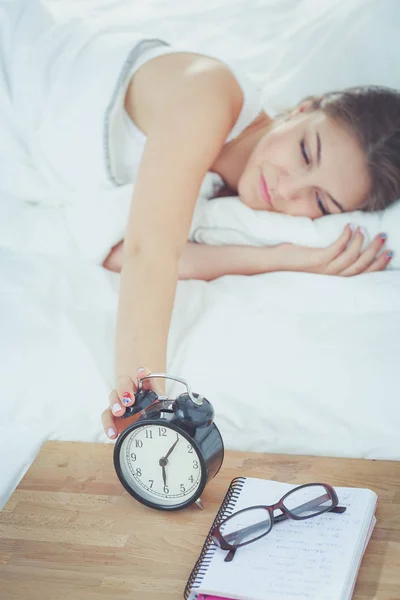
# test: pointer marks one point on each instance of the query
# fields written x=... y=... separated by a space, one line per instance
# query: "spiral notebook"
x=315 y=559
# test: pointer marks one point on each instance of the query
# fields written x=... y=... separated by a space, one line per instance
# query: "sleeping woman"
x=324 y=157
x=336 y=153
x=131 y=110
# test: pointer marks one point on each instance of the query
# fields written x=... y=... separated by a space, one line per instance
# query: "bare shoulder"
x=163 y=80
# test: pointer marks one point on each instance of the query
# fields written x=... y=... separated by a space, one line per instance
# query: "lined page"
x=315 y=559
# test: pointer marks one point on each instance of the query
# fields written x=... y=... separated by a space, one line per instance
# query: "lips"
x=264 y=191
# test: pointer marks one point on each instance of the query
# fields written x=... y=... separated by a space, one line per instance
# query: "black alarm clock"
x=172 y=450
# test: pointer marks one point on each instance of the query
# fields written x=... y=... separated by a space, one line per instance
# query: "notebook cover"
x=206 y=597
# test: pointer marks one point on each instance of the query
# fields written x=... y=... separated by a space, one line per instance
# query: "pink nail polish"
x=111 y=432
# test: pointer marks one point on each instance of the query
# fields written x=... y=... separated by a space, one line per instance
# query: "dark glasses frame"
x=223 y=543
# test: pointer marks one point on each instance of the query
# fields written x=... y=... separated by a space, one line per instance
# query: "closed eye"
x=304 y=152
x=307 y=160
x=321 y=206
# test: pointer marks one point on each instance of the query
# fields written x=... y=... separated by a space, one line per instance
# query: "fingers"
x=117 y=406
x=349 y=256
x=123 y=396
x=109 y=424
x=126 y=389
x=336 y=249
x=145 y=372
x=113 y=425
x=119 y=399
x=369 y=259
x=380 y=263
x=158 y=385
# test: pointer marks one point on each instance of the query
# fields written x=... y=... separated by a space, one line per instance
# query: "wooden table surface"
x=71 y=532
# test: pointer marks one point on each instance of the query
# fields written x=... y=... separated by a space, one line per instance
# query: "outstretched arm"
x=186 y=116
x=343 y=257
x=200 y=261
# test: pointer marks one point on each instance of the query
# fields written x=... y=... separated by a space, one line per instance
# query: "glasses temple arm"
x=312 y=504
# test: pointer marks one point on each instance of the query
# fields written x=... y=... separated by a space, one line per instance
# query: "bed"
x=293 y=363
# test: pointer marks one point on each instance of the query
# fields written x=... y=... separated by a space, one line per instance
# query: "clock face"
x=160 y=465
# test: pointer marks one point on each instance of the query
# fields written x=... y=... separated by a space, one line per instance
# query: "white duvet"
x=292 y=362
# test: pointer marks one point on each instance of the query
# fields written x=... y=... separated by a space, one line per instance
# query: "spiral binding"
x=209 y=548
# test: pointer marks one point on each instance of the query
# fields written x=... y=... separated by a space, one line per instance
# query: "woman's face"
x=308 y=166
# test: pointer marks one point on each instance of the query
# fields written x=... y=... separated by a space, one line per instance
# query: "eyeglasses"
x=250 y=524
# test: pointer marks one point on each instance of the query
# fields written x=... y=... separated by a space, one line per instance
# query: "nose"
x=293 y=187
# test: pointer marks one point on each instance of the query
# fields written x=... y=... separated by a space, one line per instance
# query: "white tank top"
x=127 y=141
x=74 y=135
x=72 y=146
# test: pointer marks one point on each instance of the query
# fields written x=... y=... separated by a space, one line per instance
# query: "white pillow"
x=229 y=221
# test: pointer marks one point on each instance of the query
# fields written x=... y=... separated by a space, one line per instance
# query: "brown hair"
x=372 y=114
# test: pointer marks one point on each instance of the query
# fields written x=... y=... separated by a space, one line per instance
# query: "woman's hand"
x=120 y=398
x=344 y=257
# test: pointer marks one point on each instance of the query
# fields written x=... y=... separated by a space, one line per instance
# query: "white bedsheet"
x=292 y=362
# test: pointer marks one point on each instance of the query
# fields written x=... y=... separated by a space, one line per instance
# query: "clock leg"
x=199 y=503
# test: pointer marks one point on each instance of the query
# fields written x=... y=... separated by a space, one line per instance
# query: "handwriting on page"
x=297 y=559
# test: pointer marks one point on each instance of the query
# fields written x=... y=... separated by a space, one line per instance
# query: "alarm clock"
x=171 y=451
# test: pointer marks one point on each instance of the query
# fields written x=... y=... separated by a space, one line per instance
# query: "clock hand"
x=164 y=460
x=172 y=447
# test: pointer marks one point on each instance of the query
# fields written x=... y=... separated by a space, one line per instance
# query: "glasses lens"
x=246 y=526
x=308 y=501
